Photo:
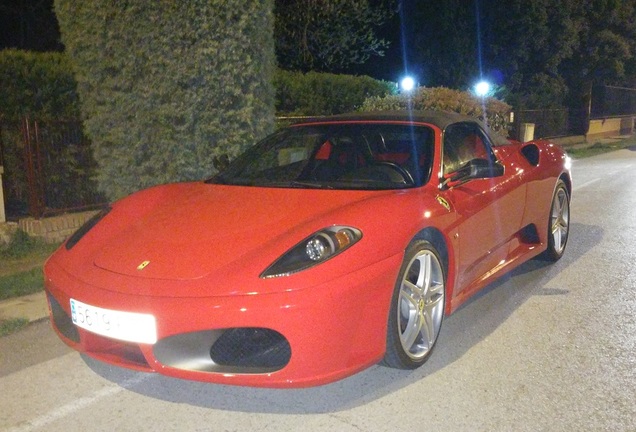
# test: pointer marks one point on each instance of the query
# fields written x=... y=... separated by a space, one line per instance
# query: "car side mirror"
x=475 y=169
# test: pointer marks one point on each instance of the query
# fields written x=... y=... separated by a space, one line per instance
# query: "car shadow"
x=464 y=329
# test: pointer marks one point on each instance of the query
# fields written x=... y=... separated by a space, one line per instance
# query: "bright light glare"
x=408 y=83
x=482 y=88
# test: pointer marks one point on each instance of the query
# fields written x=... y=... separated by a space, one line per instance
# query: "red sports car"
x=328 y=247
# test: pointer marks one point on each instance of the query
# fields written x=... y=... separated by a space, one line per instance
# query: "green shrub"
x=314 y=94
x=497 y=113
x=36 y=84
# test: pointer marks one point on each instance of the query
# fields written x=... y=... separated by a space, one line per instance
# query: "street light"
x=482 y=88
x=407 y=84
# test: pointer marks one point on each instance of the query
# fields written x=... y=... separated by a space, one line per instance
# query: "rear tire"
x=417 y=307
x=558 y=223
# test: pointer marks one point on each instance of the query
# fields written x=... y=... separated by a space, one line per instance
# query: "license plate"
x=125 y=326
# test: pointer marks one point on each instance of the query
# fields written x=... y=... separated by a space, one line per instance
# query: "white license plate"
x=125 y=326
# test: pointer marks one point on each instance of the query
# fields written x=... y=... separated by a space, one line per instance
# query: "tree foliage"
x=328 y=35
x=547 y=52
x=167 y=87
x=528 y=43
x=606 y=42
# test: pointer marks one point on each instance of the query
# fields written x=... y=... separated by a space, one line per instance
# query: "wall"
x=602 y=128
x=55 y=229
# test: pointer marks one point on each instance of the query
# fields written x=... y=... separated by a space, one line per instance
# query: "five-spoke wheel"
x=559 y=223
x=417 y=308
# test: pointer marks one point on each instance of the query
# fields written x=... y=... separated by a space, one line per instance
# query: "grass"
x=601 y=147
x=12 y=325
x=21 y=265
x=24 y=253
x=21 y=273
x=23 y=245
x=23 y=283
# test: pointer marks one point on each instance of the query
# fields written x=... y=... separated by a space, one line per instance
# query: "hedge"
x=495 y=112
x=168 y=87
x=315 y=94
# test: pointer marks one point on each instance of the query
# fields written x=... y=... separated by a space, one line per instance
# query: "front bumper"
x=298 y=338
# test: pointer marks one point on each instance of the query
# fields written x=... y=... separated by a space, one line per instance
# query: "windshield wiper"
x=296 y=184
x=311 y=185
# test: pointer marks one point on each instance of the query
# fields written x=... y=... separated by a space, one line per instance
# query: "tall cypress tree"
x=166 y=87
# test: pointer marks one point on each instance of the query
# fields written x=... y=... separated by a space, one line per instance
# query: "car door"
x=489 y=211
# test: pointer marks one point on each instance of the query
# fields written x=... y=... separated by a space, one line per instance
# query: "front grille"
x=251 y=348
x=62 y=321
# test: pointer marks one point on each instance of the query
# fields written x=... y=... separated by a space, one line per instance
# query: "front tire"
x=559 y=223
x=417 y=307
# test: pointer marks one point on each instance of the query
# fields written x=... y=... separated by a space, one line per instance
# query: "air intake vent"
x=531 y=153
x=251 y=348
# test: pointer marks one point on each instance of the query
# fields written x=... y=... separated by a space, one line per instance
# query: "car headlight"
x=315 y=249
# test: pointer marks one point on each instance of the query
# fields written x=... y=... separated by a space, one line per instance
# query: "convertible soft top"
x=441 y=119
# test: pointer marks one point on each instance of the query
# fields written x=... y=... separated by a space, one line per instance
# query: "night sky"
x=29 y=25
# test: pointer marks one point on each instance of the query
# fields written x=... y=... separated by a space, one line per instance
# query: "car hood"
x=195 y=229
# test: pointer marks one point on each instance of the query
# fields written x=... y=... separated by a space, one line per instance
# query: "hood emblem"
x=143 y=265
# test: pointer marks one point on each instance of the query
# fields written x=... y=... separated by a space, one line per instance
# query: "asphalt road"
x=548 y=348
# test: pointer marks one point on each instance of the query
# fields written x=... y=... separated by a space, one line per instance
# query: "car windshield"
x=336 y=156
